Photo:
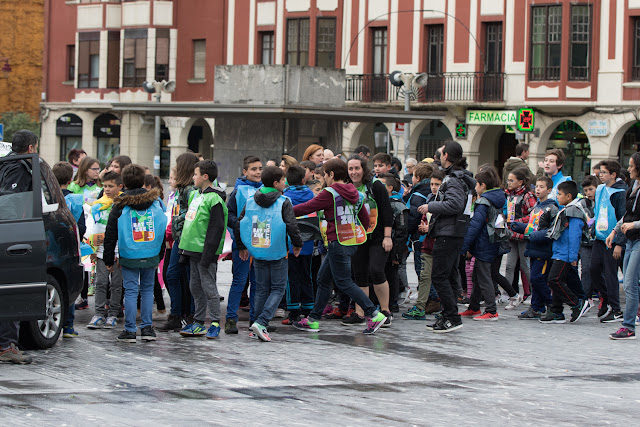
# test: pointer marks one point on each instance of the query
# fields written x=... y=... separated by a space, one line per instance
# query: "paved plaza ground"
x=507 y=372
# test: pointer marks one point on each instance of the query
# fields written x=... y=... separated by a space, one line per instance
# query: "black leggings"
x=368 y=264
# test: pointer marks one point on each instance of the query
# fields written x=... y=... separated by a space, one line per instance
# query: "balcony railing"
x=445 y=87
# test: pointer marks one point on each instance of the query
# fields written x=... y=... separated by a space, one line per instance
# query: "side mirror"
x=49 y=208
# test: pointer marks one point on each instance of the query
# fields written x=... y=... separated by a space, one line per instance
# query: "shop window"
x=326 y=43
x=298 y=41
x=134 y=58
x=546 y=43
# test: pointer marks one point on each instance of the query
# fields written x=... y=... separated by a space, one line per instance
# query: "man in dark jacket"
x=450 y=217
x=15 y=177
x=517 y=162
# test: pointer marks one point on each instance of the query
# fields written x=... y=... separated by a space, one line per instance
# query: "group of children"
x=299 y=231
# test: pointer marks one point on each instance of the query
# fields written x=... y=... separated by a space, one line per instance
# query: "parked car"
x=40 y=269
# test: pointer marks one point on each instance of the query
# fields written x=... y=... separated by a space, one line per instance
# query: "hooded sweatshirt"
x=137 y=199
x=324 y=201
x=265 y=197
x=516 y=163
x=232 y=221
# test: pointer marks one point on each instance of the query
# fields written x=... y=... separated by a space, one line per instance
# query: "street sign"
x=461 y=131
x=525 y=120
x=398 y=129
x=1 y=132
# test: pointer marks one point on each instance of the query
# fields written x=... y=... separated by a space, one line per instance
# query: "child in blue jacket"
x=566 y=232
x=477 y=242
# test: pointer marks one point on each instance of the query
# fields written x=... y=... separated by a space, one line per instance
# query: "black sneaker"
x=126 y=336
x=388 y=320
x=612 y=317
x=353 y=320
x=173 y=323
x=231 y=326
x=604 y=310
x=623 y=334
x=530 y=314
x=394 y=308
x=447 y=325
x=439 y=319
x=551 y=317
x=147 y=334
x=578 y=310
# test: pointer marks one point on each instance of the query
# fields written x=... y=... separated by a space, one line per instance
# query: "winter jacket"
x=324 y=201
x=299 y=194
x=137 y=199
x=450 y=216
x=416 y=198
x=566 y=232
x=15 y=177
x=523 y=202
x=589 y=205
x=399 y=229
x=632 y=213
x=182 y=202
x=539 y=245
x=232 y=221
x=476 y=240
x=516 y=163
x=264 y=200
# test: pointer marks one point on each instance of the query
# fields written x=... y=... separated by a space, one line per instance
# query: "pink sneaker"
x=328 y=309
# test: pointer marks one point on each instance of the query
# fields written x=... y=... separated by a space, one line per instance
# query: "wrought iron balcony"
x=444 y=87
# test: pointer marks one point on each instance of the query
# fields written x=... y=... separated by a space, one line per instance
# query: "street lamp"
x=410 y=84
x=157 y=88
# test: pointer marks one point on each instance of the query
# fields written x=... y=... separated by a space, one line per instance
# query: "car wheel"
x=44 y=333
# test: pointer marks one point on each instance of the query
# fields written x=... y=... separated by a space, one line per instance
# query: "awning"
x=212 y=110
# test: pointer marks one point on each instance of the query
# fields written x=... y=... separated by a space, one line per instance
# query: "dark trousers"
x=604 y=274
x=299 y=290
x=9 y=331
x=482 y=288
x=444 y=276
x=499 y=279
x=561 y=293
x=391 y=271
x=540 y=292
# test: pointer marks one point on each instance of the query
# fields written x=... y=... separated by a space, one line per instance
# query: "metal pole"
x=156 y=147
x=407 y=125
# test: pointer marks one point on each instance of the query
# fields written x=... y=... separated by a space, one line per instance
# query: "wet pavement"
x=510 y=371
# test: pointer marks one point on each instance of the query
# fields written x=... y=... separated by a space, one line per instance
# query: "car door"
x=23 y=247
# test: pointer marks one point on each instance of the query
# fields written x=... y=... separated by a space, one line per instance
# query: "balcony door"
x=491 y=81
x=435 y=58
x=376 y=89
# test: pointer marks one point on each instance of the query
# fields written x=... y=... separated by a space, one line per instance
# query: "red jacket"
x=324 y=201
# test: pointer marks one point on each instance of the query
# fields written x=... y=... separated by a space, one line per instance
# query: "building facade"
x=575 y=64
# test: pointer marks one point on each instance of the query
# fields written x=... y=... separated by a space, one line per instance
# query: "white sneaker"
x=279 y=313
x=502 y=299
x=637 y=320
x=97 y=322
x=111 y=322
x=514 y=302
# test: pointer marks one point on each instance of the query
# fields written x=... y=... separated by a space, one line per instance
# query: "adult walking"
x=450 y=217
x=519 y=161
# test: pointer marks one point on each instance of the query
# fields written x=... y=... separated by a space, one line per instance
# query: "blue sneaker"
x=193 y=330
x=213 y=332
x=69 y=332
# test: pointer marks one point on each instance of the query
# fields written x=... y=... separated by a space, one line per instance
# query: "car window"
x=16 y=206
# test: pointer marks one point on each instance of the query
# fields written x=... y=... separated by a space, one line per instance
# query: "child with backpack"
x=483 y=242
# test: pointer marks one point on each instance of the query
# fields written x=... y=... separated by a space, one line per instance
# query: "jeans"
x=604 y=274
x=71 y=316
x=482 y=288
x=205 y=291
x=271 y=281
x=585 y=269
x=137 y=280
x=631 y=283
x=9 y=331
x=540 y=292
x=241 y=270
x=104 y=280
x=336 y=266
x=173 y=283
x=444 y=275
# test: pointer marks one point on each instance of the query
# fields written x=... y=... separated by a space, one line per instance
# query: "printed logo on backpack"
x=260 y=232
x=142 y=226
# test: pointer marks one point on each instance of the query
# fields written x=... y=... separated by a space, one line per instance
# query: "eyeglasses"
x=95 y=169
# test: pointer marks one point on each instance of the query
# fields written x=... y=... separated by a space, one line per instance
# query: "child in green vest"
x=202 y=241
x=87 y=181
